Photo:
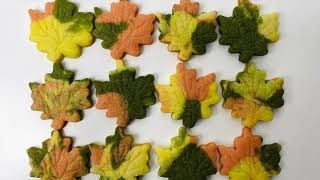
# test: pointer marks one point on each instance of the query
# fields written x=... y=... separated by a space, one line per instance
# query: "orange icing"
x=244 y=146
x=38 y=15
x=188 y=6
x=116 y=105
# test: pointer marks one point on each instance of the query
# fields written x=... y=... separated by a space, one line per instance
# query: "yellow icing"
x=57 y=40
x=268 y=27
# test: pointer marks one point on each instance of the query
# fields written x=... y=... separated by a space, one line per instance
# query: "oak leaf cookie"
x=61 y=31
x=186 y=31
x=61 y=98
x=248 y=159
x=252 y=97
x=57 y=160
x=247 y=32
x=123 y=30
x=187 y=97
x=119 y=158
x=125 y=96
x=185 y=160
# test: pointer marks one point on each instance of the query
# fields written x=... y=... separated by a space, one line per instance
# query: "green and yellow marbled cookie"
x=185 y=31
x=247 y=32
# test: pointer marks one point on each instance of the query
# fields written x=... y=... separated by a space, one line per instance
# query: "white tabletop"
x=295 y=57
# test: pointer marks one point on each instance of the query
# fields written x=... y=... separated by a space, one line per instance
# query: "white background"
x=295 y=57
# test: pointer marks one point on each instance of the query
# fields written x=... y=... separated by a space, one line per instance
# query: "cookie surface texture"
x=125 y=96
x=247 y=32
x=251 y=97
x=61 y=31
x=187 y=97
x=57 y=160
x=61 y=98
x=249 y=159
x=185 y=159
x=123 y=29
x=119 y=158
x=186 y=31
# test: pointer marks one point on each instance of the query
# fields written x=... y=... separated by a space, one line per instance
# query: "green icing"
x=82 y=20
x=241 y=32
x=167 y=155
x=184 y=160
x=139 y=93
x=97 y=11
x=60 y=73
x=191 y=113
x=276 y=101
x=119 y=140
x=191 y=164
x=109 y=33
x=164 y=24
x=66 y=11
x=85 y=154
x=251 y=84
x=204 y=34
x=106 y=178
x=227 y=92
x=36 y=156
x=270 y=158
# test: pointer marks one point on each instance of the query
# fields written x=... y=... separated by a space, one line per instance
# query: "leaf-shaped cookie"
x=119 y=158
x=252 y=97
x=248 y=160
x=185 y=31
x=61 y=31
x=247 y=32
x=185 y=160
x=57 y=161
x=124 y=96
x=60 y=97
x=123 y=30
x=187 y=97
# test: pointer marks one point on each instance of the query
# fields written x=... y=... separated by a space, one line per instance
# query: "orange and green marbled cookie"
x=61 y=98
x=120 y=158
x=187 y=97
x=123 y=29
x=248 y=159
x=61 y=31
x=57 y=160
x=125 y=96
